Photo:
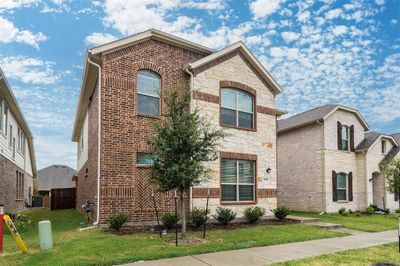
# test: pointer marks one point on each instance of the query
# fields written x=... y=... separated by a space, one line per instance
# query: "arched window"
x=237 y=108
x=148 y=87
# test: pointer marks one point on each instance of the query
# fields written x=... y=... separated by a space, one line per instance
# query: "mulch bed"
x=126 y=230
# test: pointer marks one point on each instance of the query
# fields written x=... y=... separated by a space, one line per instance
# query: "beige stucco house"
x=328 y=159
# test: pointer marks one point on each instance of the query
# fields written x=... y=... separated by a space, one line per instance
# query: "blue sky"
x=320 y=51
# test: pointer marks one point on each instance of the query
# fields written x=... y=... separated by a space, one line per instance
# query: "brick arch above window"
x=144 y=65
x=237 y=85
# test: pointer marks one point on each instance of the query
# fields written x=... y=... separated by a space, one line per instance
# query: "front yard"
x=96 y=247
x=367 y=256
x=373 y=223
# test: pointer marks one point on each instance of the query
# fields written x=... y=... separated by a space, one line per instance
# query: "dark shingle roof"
x=396 y=150
x=305 y=118
x=55 y=176
x=369 y=139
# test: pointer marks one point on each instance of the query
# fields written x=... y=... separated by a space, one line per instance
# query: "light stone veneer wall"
x=262 y=142
x=342 y=161
x=373 y=158
x=300 y=166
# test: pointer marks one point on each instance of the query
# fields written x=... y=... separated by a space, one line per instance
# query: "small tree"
x=183 y=141
x=391 y=170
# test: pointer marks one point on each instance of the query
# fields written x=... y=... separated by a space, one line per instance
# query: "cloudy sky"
x=320 y=51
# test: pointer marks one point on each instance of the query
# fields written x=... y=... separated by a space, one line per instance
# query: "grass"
x=366 y=256
x=373 y=223
x=96 y=247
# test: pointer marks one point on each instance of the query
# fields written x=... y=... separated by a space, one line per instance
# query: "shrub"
x=386 y=211
x=198 y=216
x=253 y=214
x=342 y=211
x=398 y=210
x=358 y=213
x=117 y=221
x=374 y=206
x=350 y=211
x=224 y=215
x=281 y=212
x=20 y=221
x=369 y=210
x=169 y=220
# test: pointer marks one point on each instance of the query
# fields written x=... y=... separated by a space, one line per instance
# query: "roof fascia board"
x=150 y=34
x=360 y=117
x=298 y=126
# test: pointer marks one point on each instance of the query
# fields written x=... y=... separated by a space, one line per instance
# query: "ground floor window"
x=237 y=180
x=341 y=186
x=19 y=186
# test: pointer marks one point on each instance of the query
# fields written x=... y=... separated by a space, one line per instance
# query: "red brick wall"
x=124 y=187
x=8 y=185
x=86 y=189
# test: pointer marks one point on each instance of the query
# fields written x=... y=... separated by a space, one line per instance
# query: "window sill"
x=149 y=116
x=238 y=202
x=343 y=201
x=143 y=166
x=239 y=128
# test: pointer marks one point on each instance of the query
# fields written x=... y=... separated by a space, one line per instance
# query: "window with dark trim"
x=341 y=186
x=237 y=180
x=237 y=108
x=144 y=158
x=384 y=146
x=19 y=186
x=148 y=87
x=345 y=138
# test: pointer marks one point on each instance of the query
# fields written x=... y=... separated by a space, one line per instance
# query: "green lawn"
x=96 y=247
x=367 y=256
x=373 y=223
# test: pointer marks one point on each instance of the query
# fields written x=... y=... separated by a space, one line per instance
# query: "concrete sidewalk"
x=279 y=253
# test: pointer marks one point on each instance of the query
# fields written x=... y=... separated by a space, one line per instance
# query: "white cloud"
x=98 y=38
x=13 y=4
x=29 y=70
x=262 y=8
x=9 y=33
x=205 y=5
x=289 y=36
x=394 y=22
x=339 y=30
x=380 y=2
x=53 y=151
x=334 y=13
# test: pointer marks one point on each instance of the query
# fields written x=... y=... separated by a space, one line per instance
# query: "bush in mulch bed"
x=281 y=212
x=117 y=221
x=253 y=214
x=224 y=215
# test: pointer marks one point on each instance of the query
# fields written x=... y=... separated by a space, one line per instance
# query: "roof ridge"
x=310 y=110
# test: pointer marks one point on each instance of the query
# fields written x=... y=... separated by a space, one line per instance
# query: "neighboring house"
x=17 y=157
x=328 y=159
x=54 y=176
x=114 y=114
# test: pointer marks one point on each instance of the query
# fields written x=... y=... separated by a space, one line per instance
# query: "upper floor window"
x=21 y=142
x=148 y=87
x=3 y=116
x=384 y=146
x=237 y=108
x=345 y=138
x=237 y=180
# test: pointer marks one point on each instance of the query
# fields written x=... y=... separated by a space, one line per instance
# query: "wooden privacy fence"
x=63 y=198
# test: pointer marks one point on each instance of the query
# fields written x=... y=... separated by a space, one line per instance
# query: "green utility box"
x=45 y=235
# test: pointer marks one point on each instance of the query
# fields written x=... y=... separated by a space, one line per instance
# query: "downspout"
x=191 y=85
x=320 y=122
x=98 y=143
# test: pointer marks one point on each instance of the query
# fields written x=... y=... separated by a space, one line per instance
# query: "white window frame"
x=237 y=110
x=237 y=183
x=148 y=95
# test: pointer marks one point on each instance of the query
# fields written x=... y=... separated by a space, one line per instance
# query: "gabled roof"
x=395 y=150
x=371 y=137
x=6 y=92
x=55 y=176
x=248 y=55
x=312 y=116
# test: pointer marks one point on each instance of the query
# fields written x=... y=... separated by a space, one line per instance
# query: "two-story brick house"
x=121 y=94
x=17 y=156
x=328 y=159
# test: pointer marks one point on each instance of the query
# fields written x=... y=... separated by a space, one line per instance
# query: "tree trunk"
x=183 y=214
